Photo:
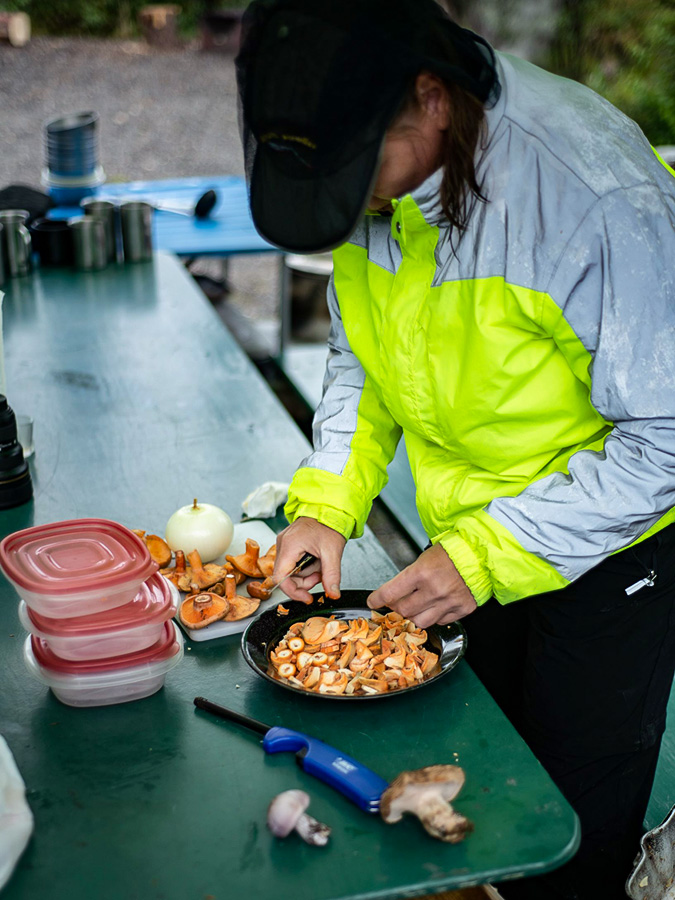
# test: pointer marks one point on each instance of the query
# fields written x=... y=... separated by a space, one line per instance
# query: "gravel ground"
x=163 y=114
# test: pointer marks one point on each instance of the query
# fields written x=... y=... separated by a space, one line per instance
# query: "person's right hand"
x=307 y=535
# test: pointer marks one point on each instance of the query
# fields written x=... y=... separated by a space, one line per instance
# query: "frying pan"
x=265 y=632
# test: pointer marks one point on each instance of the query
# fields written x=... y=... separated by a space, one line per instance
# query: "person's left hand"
x=430 y=591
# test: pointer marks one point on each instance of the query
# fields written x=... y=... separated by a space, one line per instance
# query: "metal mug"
x=136 y=218
x=108 y=214
x=2 y=256
x=16 y=242
x=52 y=241
x=89 y=241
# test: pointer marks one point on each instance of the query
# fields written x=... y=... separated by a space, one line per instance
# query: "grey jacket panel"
x=382 y=250
x=616 y=286
x=552 y=148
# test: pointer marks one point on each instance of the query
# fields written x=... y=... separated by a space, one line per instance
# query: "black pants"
x=585 y=675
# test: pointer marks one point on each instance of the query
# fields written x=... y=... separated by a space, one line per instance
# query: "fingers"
x=289 y=551
x=429 y=591
x=298 y=588
x=393 y=591
x=433 y=615
x=330 y=573
x=309 y=536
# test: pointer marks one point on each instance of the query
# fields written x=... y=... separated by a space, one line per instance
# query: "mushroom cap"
x=285 y=811
x=406 y=791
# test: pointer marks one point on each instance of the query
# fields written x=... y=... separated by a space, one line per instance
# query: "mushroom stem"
x=286 y=813
x=440 y=819
x=311 y=831
x=201 y=601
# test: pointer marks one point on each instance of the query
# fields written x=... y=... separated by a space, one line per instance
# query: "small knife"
x=357 y=782
x=306 y=560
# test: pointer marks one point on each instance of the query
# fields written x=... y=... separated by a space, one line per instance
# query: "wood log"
x=15 y=28
x=159 y=24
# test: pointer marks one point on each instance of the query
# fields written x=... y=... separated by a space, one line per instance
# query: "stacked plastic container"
x=98 y=612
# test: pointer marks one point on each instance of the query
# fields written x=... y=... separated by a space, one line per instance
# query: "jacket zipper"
x=650 y=578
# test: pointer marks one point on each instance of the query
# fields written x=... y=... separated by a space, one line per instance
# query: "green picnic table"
x=142 y=400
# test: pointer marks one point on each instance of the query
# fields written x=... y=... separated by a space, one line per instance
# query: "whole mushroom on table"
x=426 y=793
x=287 y=813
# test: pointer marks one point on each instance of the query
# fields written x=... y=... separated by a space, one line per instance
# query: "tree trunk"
x=159 y=24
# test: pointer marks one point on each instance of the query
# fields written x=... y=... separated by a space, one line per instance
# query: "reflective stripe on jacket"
x=532 y=373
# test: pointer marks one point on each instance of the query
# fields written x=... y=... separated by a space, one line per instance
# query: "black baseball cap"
x=320 y=81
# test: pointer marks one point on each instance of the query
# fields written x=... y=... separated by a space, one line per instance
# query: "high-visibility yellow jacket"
x=532 y=373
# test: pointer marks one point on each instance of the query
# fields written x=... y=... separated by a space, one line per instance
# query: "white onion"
x=201 y=527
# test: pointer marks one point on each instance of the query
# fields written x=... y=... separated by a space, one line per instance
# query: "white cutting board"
x=263 y=534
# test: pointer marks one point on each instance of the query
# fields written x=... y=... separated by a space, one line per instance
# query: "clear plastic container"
x=116 y=632
x=107 y=681
x=76 y=568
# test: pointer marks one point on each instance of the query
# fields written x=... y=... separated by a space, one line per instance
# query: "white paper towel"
x=16 y=819
x=262 y=503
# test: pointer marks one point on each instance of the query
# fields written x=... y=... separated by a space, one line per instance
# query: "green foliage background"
x=104 y=18
x=624 y=50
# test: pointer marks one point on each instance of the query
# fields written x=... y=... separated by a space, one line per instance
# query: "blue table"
x=228 y=230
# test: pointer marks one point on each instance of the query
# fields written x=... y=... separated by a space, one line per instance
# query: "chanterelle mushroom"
x=427 y=794
x=200 y=576
x=247 y=562
x=287 y=813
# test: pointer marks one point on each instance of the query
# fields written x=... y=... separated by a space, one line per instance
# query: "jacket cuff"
x=473 y=570
x=333 y=500
x=334 y=518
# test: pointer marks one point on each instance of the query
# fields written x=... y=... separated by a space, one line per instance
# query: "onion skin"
x=202 y=527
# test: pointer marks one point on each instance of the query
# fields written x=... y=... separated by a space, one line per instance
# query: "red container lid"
x=75 y=557
x=164 y=648
x=152 y=604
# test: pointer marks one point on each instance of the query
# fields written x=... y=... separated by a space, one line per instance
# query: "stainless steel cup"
x=107 y=213
x=136 y=219
x=16 y=242
x=2 y=256
x=89 y=240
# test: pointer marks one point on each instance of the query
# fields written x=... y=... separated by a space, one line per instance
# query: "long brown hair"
x=459 y=188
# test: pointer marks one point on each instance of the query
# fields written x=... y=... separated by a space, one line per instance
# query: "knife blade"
x=306 y=560
x=357 y=782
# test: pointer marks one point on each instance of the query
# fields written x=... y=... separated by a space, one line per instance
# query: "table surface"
x=142 y=400
x=228 y=230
